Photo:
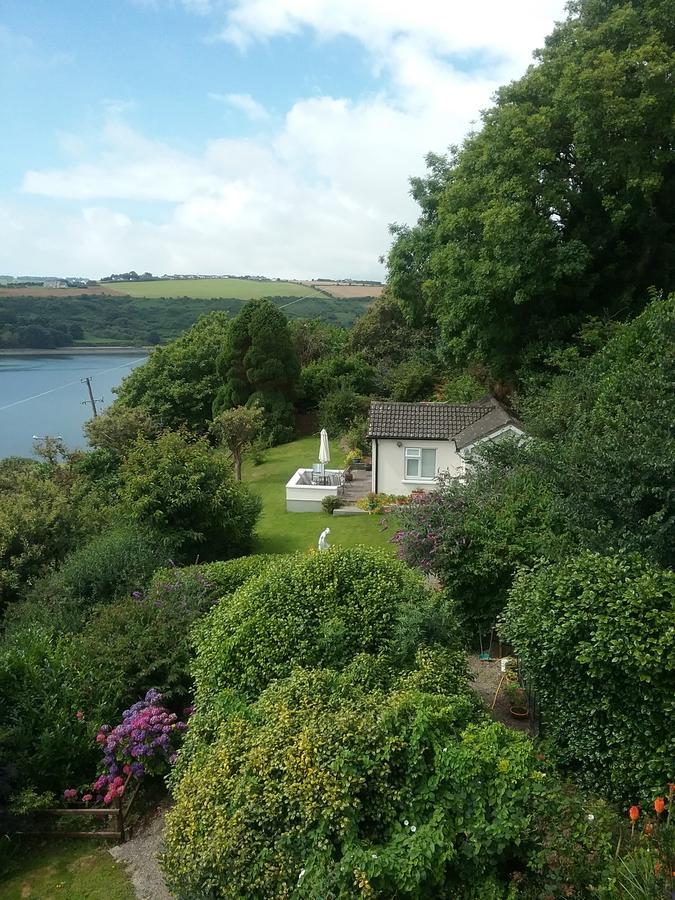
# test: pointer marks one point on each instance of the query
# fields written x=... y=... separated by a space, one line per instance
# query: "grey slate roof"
x=496 y=418
x=463 y=422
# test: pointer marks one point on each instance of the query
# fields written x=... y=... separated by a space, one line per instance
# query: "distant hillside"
x=64 y=317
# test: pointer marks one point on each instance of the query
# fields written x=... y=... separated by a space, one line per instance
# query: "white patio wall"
x=307 y=497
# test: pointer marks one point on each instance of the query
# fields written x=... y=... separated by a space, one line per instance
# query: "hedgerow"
x=595 y=636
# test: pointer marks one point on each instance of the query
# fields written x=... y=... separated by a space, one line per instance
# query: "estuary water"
x=42 y=394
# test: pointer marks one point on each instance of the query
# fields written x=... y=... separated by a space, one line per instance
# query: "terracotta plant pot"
x=519 y=712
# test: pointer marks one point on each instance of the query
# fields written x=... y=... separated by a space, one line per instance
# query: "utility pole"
x=91 y=400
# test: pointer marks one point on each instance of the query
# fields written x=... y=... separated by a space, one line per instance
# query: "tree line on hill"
x=61 y=321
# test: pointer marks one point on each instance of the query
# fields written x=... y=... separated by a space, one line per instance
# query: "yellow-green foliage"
x=312 y=610
x=327 y=788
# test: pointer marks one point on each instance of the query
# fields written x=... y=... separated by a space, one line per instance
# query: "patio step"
x=349 y=511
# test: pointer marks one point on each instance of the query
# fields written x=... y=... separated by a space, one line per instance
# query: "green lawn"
x=69 y=870
x=209 y=288
x=283 y=532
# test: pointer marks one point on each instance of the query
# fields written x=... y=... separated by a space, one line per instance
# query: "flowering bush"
x=144 y=742
x=375 y=503
x=473 y=535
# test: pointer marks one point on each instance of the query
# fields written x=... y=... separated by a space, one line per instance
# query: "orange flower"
x=659 y=805
x=634 y=813
x=657 y=868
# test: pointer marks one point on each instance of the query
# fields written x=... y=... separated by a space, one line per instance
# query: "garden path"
x=486 y=677
x=140 y=853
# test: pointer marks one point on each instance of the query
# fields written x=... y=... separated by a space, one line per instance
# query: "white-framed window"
x=420 y=464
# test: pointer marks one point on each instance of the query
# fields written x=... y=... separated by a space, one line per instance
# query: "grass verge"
x=65 y=869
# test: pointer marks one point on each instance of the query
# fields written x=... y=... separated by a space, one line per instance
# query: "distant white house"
x=412 y=443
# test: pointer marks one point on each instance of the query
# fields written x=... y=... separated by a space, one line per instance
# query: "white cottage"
x=413 y=442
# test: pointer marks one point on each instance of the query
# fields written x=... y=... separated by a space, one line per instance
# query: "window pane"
x=412 y=451
x=428 y=463
x=412 y=468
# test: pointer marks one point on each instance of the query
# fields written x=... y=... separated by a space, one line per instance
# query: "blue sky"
x=268 y=136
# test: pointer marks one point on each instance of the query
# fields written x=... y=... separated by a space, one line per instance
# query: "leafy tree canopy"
x=607 y=438
x=560 y=207
x=236 y=429
x=178 y=383
x=118 y=427
x=186 y=491
x=258 y=357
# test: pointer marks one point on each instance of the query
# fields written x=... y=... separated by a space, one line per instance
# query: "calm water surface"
x=42 y=395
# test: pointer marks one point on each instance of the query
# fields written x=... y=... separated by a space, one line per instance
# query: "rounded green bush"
x=185 y=490
x=327 y=789
x=330 y=504
x=595 y=636
x=316 y=610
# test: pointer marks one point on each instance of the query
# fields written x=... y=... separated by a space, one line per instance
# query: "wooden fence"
x=118 y=812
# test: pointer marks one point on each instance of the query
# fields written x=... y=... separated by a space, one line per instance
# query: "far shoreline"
x=71 y=350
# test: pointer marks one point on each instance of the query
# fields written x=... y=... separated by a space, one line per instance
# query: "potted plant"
x=517 y=703
x=353 y=457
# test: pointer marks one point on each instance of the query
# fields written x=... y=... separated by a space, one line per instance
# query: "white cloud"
x=507 y=32
x=313 y=196
x=244 y=103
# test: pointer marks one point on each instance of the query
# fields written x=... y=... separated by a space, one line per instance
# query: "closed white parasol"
x=324 y=449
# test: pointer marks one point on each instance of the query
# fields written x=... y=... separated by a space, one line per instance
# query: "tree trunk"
x=237 y=466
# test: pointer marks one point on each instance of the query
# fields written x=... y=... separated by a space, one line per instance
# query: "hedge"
x=595 y=636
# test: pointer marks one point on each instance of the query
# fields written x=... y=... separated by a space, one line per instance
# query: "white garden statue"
x=323 y=539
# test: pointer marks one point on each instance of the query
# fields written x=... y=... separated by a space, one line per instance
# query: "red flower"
x=659 y=805
x=634 y=813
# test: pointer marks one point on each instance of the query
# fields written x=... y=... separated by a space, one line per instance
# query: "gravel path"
x=140 y=855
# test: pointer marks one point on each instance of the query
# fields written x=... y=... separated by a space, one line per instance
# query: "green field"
x=283 y=532
x=213 y=288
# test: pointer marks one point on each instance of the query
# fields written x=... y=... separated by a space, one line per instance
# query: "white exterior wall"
x=389 y=464
x=308 y=497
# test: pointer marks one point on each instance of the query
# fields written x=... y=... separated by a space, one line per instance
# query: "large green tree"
x=607 y=441
x=178 y=383
x=561 y=206
x=259 y=364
